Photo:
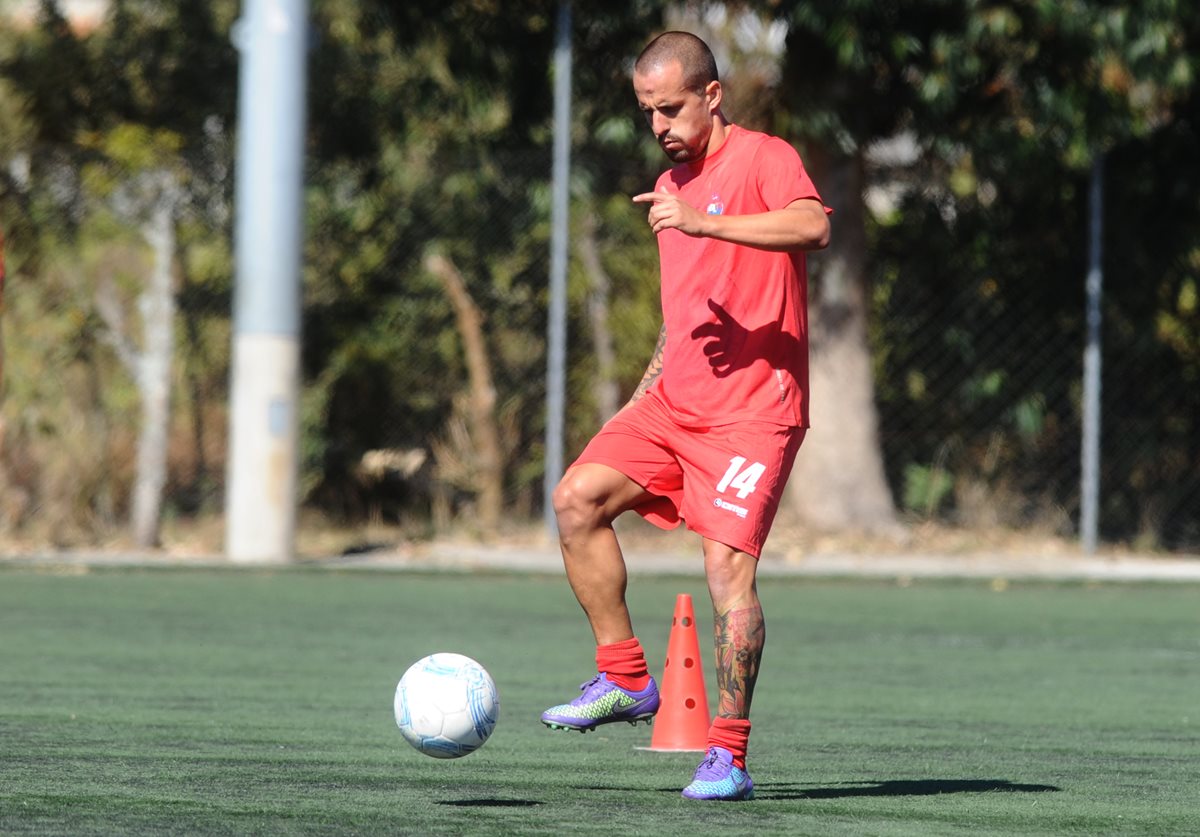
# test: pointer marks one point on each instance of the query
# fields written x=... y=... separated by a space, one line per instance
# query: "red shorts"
x=725 y=482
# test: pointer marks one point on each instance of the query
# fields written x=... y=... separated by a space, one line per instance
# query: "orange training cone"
x=682 y=720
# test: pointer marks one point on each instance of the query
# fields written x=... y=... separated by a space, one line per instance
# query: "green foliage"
x=925 y=488
x=977 y=263
x=102 y=116
x=1079 y=76
x=426 y=137
x=430 y=130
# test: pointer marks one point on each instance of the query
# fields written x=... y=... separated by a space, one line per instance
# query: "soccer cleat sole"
x=633 y=722
x=746 y=797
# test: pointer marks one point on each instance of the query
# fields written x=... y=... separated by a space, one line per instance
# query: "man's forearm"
x=655 y=367
x=802 y=226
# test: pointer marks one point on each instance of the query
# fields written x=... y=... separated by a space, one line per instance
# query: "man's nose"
x=659 y=124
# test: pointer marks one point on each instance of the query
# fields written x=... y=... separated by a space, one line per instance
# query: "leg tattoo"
x=740 y=636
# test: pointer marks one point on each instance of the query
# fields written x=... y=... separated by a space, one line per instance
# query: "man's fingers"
x=651 y=197
x=721 y=313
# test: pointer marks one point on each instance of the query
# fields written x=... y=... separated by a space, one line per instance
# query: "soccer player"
x=712 y=430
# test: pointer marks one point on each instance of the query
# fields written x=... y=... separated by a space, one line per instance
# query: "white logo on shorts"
x=727 y=506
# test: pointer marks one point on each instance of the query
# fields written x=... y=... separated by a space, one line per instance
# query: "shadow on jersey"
x=731 y=346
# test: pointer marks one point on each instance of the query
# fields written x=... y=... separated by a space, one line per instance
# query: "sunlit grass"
x=184 y=701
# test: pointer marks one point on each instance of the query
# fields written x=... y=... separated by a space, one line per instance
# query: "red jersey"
x=736 y=316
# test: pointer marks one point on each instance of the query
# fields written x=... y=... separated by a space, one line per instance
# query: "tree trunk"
x=608 y=394
x=3 y=425
x=485 y=434
x=2 y=275
x=838 y=482
x=157 y=306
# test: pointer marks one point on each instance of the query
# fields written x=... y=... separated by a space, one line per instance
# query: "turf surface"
x=231 y=702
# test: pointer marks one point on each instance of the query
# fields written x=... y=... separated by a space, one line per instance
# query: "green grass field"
x=236 y=702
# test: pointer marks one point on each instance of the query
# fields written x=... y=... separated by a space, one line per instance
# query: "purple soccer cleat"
x=717 y=778
x=603 y=702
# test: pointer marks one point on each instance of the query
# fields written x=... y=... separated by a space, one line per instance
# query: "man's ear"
x=714 y=93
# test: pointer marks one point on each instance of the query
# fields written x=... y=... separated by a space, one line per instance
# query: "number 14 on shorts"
x=742 y=480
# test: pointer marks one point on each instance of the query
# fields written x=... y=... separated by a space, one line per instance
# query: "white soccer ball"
x=446 y=705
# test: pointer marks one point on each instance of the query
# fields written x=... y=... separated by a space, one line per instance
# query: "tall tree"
x=432 y=136
x=422 y=124
x=1077 y=76
x=844 y=87
x=149 y=199
x=1016 y=106
x=122 y=125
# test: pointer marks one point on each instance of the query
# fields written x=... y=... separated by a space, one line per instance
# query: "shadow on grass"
x=896 y=787
x=490 y=803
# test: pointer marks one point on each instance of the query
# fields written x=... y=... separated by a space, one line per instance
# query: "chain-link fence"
x=979 y=334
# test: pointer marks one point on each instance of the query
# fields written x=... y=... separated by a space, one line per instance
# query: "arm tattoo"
x=654 y=369
x=740 y=636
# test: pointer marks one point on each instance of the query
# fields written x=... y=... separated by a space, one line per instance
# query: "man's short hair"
x=699 y=65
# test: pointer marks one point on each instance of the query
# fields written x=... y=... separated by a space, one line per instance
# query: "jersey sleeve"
x=781 y=176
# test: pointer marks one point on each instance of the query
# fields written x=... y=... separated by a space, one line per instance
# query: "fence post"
x=1089 y=517
x=260 y=493
x=556 y=328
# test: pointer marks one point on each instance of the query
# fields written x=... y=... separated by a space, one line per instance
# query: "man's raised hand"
x=669 y=211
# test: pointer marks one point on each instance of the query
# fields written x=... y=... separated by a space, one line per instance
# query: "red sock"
x=624 y=663
x=734 y=735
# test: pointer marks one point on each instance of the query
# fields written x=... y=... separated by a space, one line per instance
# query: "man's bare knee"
x=589 y=497
x=730 y=574
x=577 y=506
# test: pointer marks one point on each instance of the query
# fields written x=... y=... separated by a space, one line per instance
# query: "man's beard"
x=681 y=153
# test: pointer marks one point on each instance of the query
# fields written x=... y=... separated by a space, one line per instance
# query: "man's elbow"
x=812 y=227
x=821 y=235
x=816 y=233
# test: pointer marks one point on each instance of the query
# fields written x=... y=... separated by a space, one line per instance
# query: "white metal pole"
x=1089 y=516
x=556 y=336
x=261 y=479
